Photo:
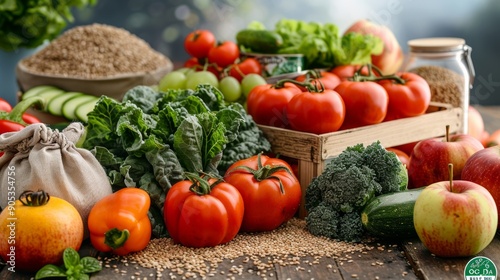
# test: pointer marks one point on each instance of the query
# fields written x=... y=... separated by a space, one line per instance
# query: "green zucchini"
x=259 y=41
x=391 y=215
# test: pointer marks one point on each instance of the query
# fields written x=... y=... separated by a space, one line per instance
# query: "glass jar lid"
x=438 y=44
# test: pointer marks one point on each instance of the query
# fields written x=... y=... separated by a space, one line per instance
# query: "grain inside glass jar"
x=446 y=85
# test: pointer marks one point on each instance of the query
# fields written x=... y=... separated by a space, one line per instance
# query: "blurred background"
x=165 y=23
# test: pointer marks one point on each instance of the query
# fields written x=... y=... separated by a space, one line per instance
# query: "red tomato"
x=270 y=191
x=344 y=72
x=403 y=157
x=224 y=54
x=192 y=62
x=316 y=112
x=409 y=96
x=199 y=42
x=365 y=103
x=326 y=79
x=267 y=104
x=247 y=66
x=203 y=213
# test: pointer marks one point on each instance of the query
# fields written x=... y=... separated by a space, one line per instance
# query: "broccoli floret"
x=350 y=227
x=323 y=220
x=390 y=172
x=346 y=185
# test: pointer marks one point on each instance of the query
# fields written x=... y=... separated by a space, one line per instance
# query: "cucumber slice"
x=69 y=107
x=82 y=111
x=55 y=105
x=49 y=95
x=34 y=91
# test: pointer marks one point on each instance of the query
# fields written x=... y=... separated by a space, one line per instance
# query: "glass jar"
x=447 y=66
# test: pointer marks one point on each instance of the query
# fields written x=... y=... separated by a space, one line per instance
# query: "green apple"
x=455 y=219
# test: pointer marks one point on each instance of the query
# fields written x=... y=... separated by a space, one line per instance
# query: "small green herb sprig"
x=74 y=267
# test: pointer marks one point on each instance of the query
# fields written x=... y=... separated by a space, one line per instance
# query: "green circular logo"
x=480 y=268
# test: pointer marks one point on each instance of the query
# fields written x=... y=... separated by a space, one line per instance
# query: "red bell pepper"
x=4 y=105
x=14 y=120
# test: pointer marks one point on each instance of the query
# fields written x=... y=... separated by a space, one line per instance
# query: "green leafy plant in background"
x=322 y=45
x=30 y=23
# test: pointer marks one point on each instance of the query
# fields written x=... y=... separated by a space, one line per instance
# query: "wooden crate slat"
x=394 y=133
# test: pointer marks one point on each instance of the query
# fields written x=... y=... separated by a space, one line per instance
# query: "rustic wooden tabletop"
x=389 y=259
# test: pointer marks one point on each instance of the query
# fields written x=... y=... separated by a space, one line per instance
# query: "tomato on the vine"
x=267 y=104
x=344 y=72
x=192 y=62
x=324 y=79
x=249 y=65
x=224 y=54
x=201 y=212
x=365 y=103
x=270 y=191
x=316 y=112
x=409 y=95
x=199 y=42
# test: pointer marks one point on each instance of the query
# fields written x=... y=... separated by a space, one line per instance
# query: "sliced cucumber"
x=49 y=95
x=34 y=91
x=69 y=107
x=55 y=104
x=84 y=109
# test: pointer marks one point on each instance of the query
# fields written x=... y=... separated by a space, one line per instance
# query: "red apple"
x=391 y=58
x=429 y=159
x=483 y=168
x=455 y=219
x=475 y=123
x=493 y=139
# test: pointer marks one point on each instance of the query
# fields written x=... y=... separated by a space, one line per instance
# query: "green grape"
x=201 y=77
x=172 y=80
x=186 y=70
x=250 y=81
x=230 y=88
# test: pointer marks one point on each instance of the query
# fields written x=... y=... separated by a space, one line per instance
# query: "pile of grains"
x=95 y=51
x=446 y=85
x=283 y=246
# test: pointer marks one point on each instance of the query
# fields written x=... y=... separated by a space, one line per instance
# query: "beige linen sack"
x=39 y=157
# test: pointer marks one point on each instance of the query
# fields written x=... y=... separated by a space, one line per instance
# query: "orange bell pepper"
x=119 y=222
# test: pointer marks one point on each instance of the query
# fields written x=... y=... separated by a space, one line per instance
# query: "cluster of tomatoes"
x=344 y=97
x=220 y=58
x=215 y=63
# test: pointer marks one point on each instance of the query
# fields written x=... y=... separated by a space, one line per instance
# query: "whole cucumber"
x=391 y=215
x=259 y=41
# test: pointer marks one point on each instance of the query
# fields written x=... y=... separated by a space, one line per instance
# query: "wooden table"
x=387 y=260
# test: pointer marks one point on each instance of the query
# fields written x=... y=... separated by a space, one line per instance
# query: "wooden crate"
x=313 y=151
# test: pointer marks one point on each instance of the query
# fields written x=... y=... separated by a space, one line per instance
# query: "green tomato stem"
x=265 y=172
